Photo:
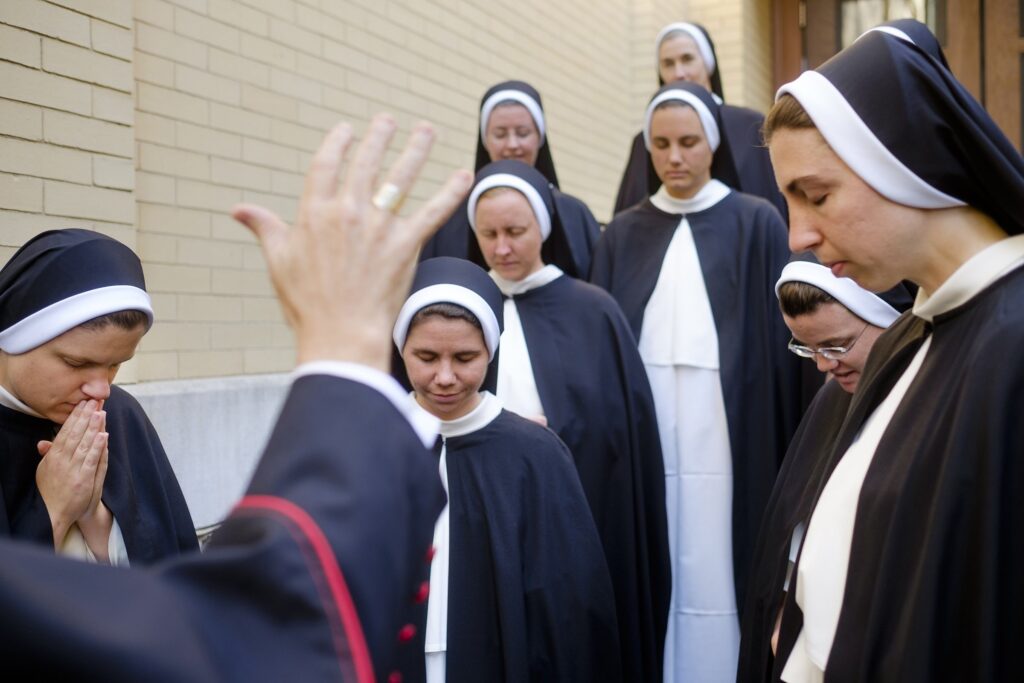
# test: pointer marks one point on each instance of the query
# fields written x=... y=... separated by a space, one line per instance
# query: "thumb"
x=44 y=447
x=263 y=223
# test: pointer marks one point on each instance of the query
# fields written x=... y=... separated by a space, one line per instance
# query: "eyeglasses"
x=829 y=352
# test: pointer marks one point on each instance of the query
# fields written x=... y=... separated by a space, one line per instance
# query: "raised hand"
x=344 y=269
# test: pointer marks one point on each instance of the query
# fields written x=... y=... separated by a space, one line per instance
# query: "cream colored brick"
x=268 y=154
x=112 y=105
x=286 y=33
x=156 y=366
x=289 y=184
x=215 y=142
x=156 y=12
x=173 y=104
x=86 y=133
x=316 y=21
x=205 y=30
x=172 y=220
x=236 y=174
x=252 y=257
x=292 y=135
x=20 y=46
x=345 y=55
x=200 y=195
x=319 y=118
x=178 y=279
x=209 y=308
x=154 y=188
x=177 y=336
x=115 y=11
x=29 y=85
x=6 y=253
x=157 y=248
x=281 y=10
x=197 y=6
x=268 y=52
x=294 y=85
x=209 y=363
x=241 y=69
x=43 y=17
x=204 y=252
x=122 y=232
x=165 y=306
x=206 y=85
x=153 y=128
x=245 y=282
x=269 y=103
x=250 y=336
x=173 y=162
x=45 y=161
x=237 y=14
x=157 y=41
x=87 y=65
x=365 y=86
x=269 y=360
x=17 y=227
x=21 y=120
x=80 y=201
x=153 y=69
x=115 y=41
x=266 y=309
x=237 y=120
x=285 y=207
x=21 y=193
x=224 y=227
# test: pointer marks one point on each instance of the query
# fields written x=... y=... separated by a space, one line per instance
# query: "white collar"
x=974 y=275
x=484 y=414
x=544 y=276
x=709 y=195
x=9 y=400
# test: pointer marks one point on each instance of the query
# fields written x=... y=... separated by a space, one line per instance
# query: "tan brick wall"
x=149 y=119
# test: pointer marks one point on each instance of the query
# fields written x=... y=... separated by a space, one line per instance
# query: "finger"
x=93 y=455
x=62 y=433
x=101 y=468
x=431 y=215
x=324 y=169
x=263 y=223
x=81 y=427
x=406 y=169
x=85 y=444
x=362 y=172
x=44 y=447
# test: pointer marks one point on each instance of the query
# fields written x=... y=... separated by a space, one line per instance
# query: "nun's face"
x=680 y=151
x=679 y=60
x=832 y=325
x=848 y=226
x=446 y=361
x=508 y=234
x=512 y=134
x=76 y=366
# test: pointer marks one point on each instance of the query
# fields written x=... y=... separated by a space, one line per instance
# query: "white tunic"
x=517 y=387
x=436 y=633
x=679 y=347
x=824 y=563
x=73 y=544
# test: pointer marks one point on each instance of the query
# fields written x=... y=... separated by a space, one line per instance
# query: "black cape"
x=742 y=127
x=311 y=578
x=742 y=246
x=594 y=390
x=789 y=505
x=140 y=488
x=934 y=589
x=571 y=252
x=530 y=597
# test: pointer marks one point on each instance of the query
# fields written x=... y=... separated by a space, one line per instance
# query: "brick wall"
x=147 y=120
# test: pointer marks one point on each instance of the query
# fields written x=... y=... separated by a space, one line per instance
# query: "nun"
x=835 y=322
x=684 y=52
x=911 y=563
x=507 y=602
x=82 y=470
x=513 y=126
x=569 y=360
x=693 y=268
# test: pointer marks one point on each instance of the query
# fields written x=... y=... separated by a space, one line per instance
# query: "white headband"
x=449 y=294
x=519 y=96
x=59 y=317
x=867 y=306
x=892 y=31
x=703 y=46
x=707 y=120
x=523 y=187
x=857 y=145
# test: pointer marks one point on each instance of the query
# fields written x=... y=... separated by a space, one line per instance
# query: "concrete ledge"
x=214 y=431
